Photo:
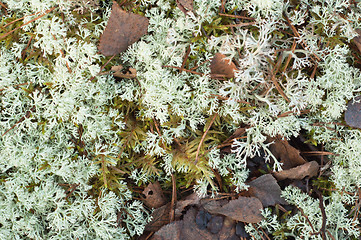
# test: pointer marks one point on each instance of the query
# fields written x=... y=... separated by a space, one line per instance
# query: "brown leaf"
x=132 y=73
x=353 y=112
x=357 y=39
x=221 y=67
x=154 y=197
x=309 y=169
x=160 y=217
x=266 y=189
x=123 y=30
x=185 y=229
x=244 y=209
x=288 y=155
x=192 y=199
x=117 y=68
x=185 y=5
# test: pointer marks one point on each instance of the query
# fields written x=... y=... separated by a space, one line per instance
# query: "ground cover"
x=114 y=112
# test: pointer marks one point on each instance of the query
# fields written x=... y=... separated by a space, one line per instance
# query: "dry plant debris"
x=185 y=5
x=222 y=67
x=288 y=155
x=309 y=169
x=353 y=112
x=267 y=190
x=154 y=197
x=123 y=30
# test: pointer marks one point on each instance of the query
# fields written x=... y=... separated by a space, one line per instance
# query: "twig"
x=186 y=70
x=102 y=67
x=238 y=24
x=71 y=190
x=32 y=20
x=3 y=5
x=236 y=16
x=318 y=153
x=324 y=218
x=273 y=79
x=174 y=198
x=27 y=115
x=15 y=86
x=185 y=58
x=308 y=220
x=203 y=137
x=227 y=98
x=303 y=43
x=285 y=114
x=290 y=56
x=62 y=54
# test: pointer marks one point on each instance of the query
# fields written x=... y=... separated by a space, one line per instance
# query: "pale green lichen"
x=76 y=125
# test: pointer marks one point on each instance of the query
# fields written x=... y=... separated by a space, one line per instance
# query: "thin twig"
x=303 y=43
x=174 y=198
x=186 y=70
x=102 y=68
x=236 y=16
x=285 y=114
x=32 y=20
x=62 y=54
x=290 y=56
x=227 y=98
x=273 y=79
x=27 y=115
x=3 y=5
x=15 y=86
x=185 y=58
x=203 y=137
x=238 y=24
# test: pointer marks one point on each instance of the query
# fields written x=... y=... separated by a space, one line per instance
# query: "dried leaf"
x=183 y=230
x=160 y=217
x=185 y=5
x=221 y=67
x=357 y=39
x=132 y=73
x=353 y=112
x=123 y=30
x=288 y=155
x=267 y=190
x=154 y=197
x=192 y=199
x=244 y=209
x=117 y=68
x=309 y=169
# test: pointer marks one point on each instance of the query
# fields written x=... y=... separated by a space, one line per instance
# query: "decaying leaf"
x=222 y=67
x=357 y=39
x=185 y=5
x=154 y=197
x=353 y=112
x=244 y=209
x=309 y=169
x=192 y=199
x=123 y=29
x=267 y=190
x=185 y=229
x=117 y=68
x=131 y=73
x=218 y=227
x=288 y=155
x=160 y=217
